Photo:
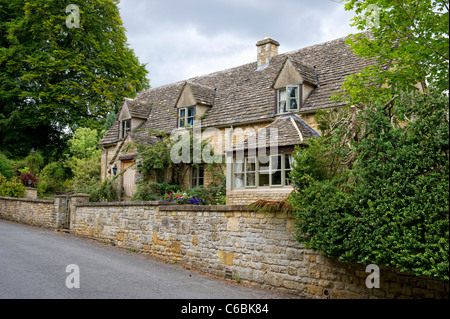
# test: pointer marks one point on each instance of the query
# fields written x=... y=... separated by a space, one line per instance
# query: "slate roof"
x=245 y=94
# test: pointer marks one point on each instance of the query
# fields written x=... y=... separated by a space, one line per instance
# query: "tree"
x=408 y=41
x=374 y=188
x=392 y=207
x=55 y=78
x=85 y=160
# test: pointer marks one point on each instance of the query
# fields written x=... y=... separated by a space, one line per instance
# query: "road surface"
x=41 y=264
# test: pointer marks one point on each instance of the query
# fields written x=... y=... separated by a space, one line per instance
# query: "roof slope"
x=245 y=94
x=287 y=130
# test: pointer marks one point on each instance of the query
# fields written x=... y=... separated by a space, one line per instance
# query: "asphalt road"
x=34 y=261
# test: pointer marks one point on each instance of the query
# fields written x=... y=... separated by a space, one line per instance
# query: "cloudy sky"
x=180 y=39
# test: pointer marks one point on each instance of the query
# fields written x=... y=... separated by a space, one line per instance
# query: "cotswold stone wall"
x=235 y=243
x=226 y=241
x=29 y=211
x=245 y=196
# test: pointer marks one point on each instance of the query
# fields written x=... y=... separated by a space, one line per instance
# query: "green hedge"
x=392 y=207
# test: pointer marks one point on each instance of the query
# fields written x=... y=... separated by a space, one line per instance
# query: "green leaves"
x=392 y=207
x=54 y=78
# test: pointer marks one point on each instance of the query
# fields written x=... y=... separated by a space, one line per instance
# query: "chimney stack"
x=267 y=49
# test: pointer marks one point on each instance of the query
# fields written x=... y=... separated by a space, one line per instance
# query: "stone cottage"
x=273 y=99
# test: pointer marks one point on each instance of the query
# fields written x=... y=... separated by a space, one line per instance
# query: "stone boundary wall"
x=34 y=212
x=236 y=243
x=226 y=241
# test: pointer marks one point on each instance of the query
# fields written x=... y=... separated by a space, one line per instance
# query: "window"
x=250 y=172
x=186 y=116
x=288 y=100
x=126 y=127
x=197 y=176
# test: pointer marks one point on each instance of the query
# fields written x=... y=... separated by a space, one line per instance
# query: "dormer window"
x=288 y=99
x=125 y=128
x=186 y=117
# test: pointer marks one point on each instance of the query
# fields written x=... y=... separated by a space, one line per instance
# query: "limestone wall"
x=29 y=211
x=235 y=243
x=226 y=241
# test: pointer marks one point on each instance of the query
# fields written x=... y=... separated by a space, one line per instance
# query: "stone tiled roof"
x=245 y=94
x=286 y=130
x=202 y=94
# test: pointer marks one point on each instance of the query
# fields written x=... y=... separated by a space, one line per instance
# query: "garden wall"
x=226 y=241
x=34 y=212
x=236 y=243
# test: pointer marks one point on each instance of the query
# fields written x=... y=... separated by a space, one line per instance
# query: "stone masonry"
x=239 y=244
x=226 y=241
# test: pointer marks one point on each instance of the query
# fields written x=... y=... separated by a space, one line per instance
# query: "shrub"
x=34 y=161
x=391 y=208
x=86 y=174
x=12 y=188
x=150 y=191
x=108 y=191
x=29 y=179
x=6 y=167
x=53 y=178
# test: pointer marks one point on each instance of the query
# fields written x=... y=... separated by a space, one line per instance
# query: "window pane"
x=251 y=164
x=239 y=180
x=293 y=105
x=190 y=121
x=293 y=91
x=276 y=178
x=264 y=167
x=182 y=113
x=239 y=166
x=282 y=107
x=251 y=179
x=191 y=111
x=181 y=122
x=282 y=95
x=264 y=179
x=288 y=181
x=287 y=162
x=275 y=162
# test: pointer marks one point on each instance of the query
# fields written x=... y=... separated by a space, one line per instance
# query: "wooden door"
x=129 y=184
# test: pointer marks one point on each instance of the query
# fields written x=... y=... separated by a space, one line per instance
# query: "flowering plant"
x=182 y=199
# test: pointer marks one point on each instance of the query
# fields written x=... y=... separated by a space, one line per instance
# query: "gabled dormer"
x=194 y=102
x=293 y=85
x=130 y=117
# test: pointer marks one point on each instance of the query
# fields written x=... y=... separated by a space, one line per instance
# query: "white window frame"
x=245 y=172
x=284 y=103
x=184 y=120
x=125 y=130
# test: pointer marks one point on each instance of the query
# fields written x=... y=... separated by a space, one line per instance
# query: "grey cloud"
x=179 y=39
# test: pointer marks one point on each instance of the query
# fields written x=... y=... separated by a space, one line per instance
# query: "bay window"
x=253 y=172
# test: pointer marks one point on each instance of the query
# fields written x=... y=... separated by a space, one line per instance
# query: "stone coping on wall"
x=164 y=206
x=42 y=201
